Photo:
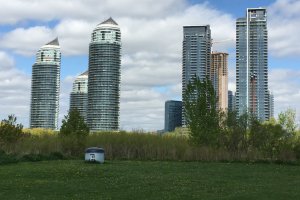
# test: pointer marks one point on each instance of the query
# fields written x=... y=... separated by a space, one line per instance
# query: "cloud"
x=27 y=41
x=17 y=11
x=142 y=109
x=15 y=90
x=284 y=24
x=143 y=34
x=284 y=84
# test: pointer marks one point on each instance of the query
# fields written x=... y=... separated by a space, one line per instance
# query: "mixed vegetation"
x=211 y=135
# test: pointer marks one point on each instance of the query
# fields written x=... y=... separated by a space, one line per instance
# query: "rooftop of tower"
x=109 y=21
x=54 y=42
x=86 y=73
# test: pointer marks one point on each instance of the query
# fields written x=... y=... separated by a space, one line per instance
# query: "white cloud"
x=284 y=84
x=19 y=11
x=15 y=90
x=27 y=41
x=284 y=24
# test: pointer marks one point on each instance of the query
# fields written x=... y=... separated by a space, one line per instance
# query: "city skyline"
x=151 y=63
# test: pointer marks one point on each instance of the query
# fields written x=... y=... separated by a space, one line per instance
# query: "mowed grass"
x=73 y=179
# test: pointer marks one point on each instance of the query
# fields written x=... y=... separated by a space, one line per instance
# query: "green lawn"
x=148 y=180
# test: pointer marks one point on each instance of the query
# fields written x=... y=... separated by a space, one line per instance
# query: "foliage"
x=235 y=131
x=74 y=125
x=201 y=114
x=297 y=148
x=7 y=159
x=268 y=137
x=287 y=120
x=10 y=131
x=73 y=133
x=39 y=131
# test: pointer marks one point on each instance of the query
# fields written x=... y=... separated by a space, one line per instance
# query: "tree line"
x=215 y=128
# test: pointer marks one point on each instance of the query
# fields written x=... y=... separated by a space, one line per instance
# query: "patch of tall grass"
x=129 y=146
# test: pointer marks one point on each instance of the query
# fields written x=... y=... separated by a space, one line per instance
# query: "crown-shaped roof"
x=109 y=21
x=54 y=42
x=85 y=73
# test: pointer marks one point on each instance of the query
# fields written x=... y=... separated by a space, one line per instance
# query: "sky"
x=151 y=49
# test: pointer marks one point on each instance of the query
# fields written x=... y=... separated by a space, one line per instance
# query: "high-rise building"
x=196 y=55
x=104 y=77
x=231 y=101
x=79 y=95
x=252 y=63
x=45 y=87
x=219 y=77
x=173 y=115
x=271 y=104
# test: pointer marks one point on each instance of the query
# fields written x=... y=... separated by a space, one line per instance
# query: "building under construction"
x=219 y=77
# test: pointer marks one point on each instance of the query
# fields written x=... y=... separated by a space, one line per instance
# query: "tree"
x=73 y=133
x=10 y=131
x=201 y=114
x=235 y=131
x=74 y=125
x=287 y=120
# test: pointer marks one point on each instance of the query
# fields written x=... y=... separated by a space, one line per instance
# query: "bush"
x=7 y=159
x=10 y=131
x=41 y=157
x=297 y=149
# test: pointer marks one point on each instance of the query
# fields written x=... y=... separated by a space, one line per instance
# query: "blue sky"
x=151 y=49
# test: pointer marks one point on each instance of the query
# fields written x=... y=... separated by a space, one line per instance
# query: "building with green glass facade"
x=45 y=86
x=104 y=77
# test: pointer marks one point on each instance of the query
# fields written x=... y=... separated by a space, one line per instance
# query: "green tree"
x=201 y=114
x=235 y=131
x=10 y=131
x=270 y=138
x=73 y=133
x=287 y=120
x=74 y=125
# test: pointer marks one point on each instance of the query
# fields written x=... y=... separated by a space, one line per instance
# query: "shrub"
x=297 y=149
x=10 y=131
x=7 y=159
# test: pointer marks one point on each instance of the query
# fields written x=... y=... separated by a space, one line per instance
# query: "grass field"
x=148 y=180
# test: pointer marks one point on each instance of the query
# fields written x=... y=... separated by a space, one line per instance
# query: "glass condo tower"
x=44 y=106
x=104 y=77
x=252 y=64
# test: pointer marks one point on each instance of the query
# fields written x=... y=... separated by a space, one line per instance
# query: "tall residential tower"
x=252 y=63
x=45 y=87
x=79 y=94
x=104 y=77
x=219 y=77
x=196 y=58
